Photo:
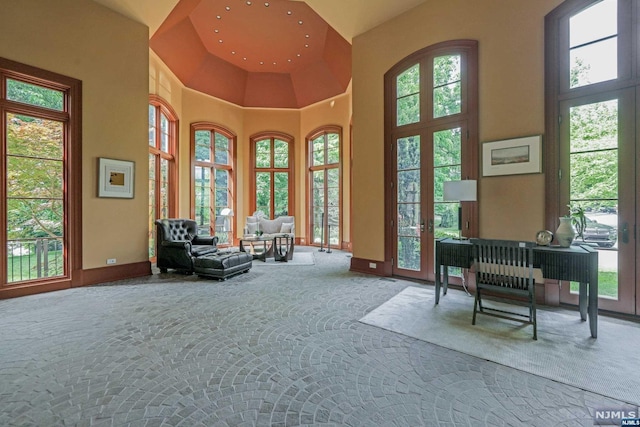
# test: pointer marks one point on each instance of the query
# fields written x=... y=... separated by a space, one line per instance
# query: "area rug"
x=299 y=258
x=564 y=351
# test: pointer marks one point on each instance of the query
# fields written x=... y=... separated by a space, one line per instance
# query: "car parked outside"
x=605 y=236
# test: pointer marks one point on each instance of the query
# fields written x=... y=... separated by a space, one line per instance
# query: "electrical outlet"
x=111 y=261
x=372 y=265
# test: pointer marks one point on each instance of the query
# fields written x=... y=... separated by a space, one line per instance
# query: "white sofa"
x=270 y=227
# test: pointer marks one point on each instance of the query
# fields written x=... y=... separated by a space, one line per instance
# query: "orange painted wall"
x=109 y=53
x=511 y=85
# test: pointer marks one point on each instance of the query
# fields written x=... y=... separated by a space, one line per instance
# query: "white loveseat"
x=270 y=227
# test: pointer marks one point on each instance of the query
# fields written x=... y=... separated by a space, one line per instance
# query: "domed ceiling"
x=276 y=53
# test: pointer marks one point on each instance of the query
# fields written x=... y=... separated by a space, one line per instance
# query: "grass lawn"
x=607 y=284
x=24 y=267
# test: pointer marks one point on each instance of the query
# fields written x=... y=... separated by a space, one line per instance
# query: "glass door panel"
x=597 y=156
x=222 y=201
x=152 y=204
x=202 y=203
x=281 y=193
x=317 y=217
x=333 y=207
x=263 y=193
x=593 y=184
x=447 y=148
x=34 y=213
x=164 y=188
x=410 y=221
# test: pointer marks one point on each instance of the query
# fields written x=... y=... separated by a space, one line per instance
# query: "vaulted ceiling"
x=260 y=53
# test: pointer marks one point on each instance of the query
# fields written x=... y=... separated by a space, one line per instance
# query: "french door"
x=431 y=126
x=324 y=147
x=598 y=146
x=40 y=164
x=593 y=125
x=424 y=160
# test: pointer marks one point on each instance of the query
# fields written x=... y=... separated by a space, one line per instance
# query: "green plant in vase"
x=578 y=219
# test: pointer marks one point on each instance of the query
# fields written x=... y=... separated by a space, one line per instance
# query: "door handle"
x=625 y=233
x=431 y=225
x=422 y=226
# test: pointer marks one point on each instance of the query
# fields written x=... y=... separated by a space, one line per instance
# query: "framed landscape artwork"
x=115 y=178
x=512 y=156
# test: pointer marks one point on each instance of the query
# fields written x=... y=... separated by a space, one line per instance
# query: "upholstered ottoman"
x=222 y=265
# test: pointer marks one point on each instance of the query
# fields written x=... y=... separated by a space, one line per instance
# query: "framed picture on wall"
x=115 y=178
x=512 y=156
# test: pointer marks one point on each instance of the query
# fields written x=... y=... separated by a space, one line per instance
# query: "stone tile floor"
x=278 y=346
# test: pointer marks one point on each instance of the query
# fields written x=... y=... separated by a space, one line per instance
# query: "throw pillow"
x=286 y=227
x=252 y=227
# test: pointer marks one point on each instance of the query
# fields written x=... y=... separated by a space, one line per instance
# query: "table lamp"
x=460 y=191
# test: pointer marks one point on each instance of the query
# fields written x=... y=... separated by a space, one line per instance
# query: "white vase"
x=565 y=232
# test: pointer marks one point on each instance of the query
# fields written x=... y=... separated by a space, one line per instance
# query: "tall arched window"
x=272 y=173
x=41 y=167
x=324 y=154
x=163 y=173
x=592 y=139
x=431 y=131
x=213 y=181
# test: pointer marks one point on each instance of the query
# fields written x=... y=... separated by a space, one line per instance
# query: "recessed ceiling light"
x=216 y=31
x=289 y=12
x=218 y=16
x=227 y=8
x=266 y=4
x=300 y=22
x=220 y=41
x=261 y=62
x=306 y=45
x=298 y=55
x=233 y=52
x=288 y=60
x=307 y=36
x=274 y=63
x=244 y=59
x=248 y=3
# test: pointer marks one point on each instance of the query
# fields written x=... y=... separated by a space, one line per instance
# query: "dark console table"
x=578 y=263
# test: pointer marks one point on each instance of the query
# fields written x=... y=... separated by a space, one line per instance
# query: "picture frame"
x=512 y=156
x=115 y=178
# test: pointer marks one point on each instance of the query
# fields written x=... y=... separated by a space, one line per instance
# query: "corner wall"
x=109 y=54
x=511 y=103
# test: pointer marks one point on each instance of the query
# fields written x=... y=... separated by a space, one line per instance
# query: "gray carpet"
x=564 y=351
x=276 y=347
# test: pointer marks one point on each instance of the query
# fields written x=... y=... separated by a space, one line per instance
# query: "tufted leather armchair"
x=177 y=244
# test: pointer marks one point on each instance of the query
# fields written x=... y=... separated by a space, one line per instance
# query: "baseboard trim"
x=116 y=272
x=15 y=291
x=361 y=265
x=80 y=278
